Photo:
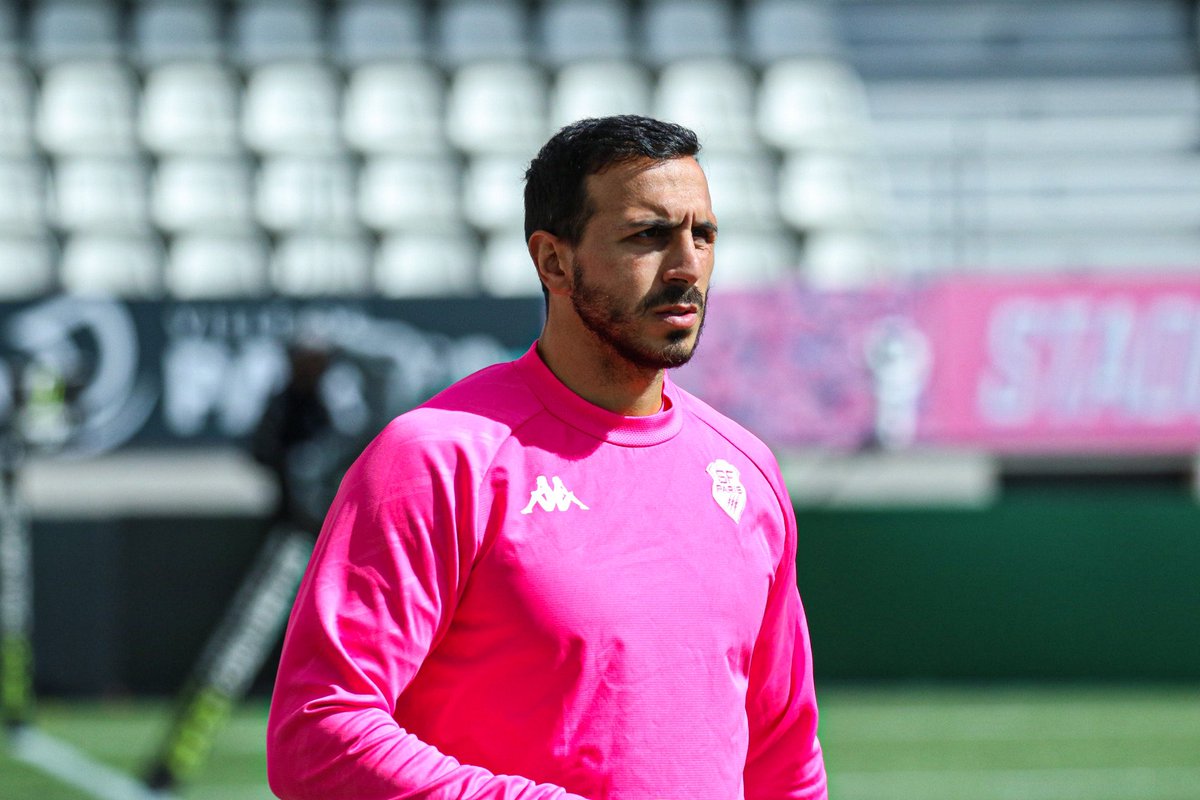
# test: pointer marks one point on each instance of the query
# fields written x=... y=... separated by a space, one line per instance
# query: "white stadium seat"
x=813 y=104
x=191 y=108
x=202 y=194
x=427 y=264
x=493 y=193
x=506 y=269
x=395 y=108
x=317 y=265
x=121 y=265
x=724 y=121
x=409 y=193
x=206 y=265
x=28 y=261
x=753 y=258
x=296 y=193
x=743 y=190
x=498 y=107
x=292 y=109
x=101 y=194
x=828 y=191
x=847 y=259
x=599 y=89
x=87 y=108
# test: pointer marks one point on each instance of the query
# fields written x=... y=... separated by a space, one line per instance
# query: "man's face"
x=641 y=269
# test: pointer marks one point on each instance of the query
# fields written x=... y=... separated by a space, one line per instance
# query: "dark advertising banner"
x=90 y=375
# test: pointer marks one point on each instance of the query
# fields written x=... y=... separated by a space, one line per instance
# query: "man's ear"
x=549 y=254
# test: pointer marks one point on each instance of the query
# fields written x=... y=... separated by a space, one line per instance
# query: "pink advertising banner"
x=1031 y=366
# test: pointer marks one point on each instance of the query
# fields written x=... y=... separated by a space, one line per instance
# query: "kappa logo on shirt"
x=552 y=494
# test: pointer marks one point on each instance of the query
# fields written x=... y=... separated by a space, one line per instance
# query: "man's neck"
x=600 y=376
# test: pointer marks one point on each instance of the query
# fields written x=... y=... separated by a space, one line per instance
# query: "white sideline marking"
x=64 y=762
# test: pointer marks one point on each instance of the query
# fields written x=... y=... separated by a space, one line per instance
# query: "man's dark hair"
x=555 y=195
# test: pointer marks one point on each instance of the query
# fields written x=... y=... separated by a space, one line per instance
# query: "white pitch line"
x=64 y=762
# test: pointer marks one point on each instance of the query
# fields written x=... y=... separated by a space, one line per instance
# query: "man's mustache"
x=675 y=295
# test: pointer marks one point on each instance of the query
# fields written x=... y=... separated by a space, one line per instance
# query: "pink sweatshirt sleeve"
x=381 y=587
x=784 y=758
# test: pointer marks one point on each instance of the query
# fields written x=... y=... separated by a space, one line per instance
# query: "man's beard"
x=602 y=314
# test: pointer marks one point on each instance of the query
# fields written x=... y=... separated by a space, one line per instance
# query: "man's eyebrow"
x=662 y=222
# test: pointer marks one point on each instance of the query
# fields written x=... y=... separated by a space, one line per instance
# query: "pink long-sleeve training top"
x=518 y=594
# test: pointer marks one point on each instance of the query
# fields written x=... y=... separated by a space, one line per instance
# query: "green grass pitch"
x=931 y=743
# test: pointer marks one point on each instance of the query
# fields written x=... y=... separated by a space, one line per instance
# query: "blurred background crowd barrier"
x=958 y=291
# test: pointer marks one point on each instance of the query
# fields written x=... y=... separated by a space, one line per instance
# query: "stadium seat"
x=315 y=265
x=176 y=30
x=746 y=259
x=410 y=193
x=846 y=259
x=190 y=108
x=374 y=31
x=206 y=266
x=570 y=31
x=16 y=109
x=724 y=121
x=202 y=194
x=743 y=190
x=23 y=189
x=101 y=195
x=470 y=31
x=395 y=107
x=493 y=193
x=120 y=265
x=812 y=104
x=28 y=261
x=297 y=193
x=599 y=89
x=675 y=30
x=74 y=30
x=271 y=31
x=497 y=107
x=819 y=191
x=87 y=108
x=427 y=264
x=292 y=109
x=506 y=269
x=777 y=30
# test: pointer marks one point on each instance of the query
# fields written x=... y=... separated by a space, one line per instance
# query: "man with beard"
x=564 y=577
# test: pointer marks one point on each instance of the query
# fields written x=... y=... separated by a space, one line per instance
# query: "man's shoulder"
x=483 y=407
x=733 y=432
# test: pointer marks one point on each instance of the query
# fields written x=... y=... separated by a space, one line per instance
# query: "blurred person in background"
x=564 y=576
x=295 y=428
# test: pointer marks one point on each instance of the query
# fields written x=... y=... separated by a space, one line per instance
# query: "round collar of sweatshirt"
x=596 y=421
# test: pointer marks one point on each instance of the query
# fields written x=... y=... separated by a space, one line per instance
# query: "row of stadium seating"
x=139 y=139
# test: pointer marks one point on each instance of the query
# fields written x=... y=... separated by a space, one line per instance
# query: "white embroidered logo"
x=727 y=488
x=551 y=497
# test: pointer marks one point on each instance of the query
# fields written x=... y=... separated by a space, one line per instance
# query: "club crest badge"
x=727 y=488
